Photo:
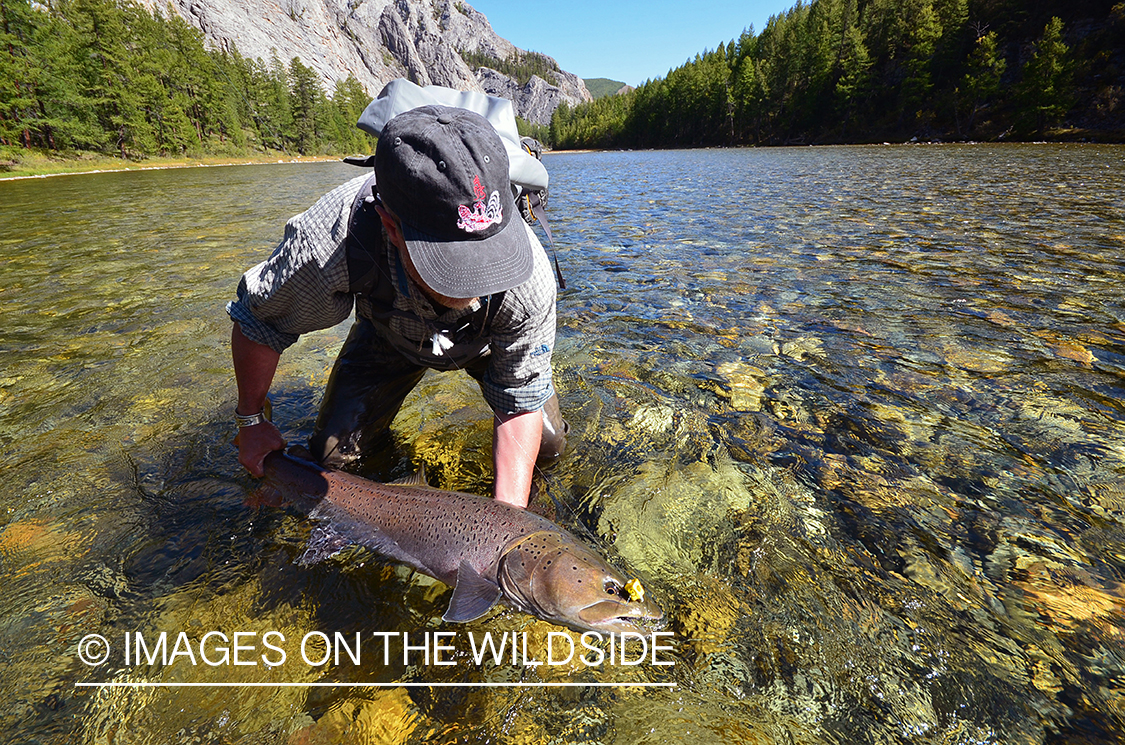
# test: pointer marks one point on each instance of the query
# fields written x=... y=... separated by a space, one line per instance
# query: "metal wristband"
x=265 y=415
x=250 y=420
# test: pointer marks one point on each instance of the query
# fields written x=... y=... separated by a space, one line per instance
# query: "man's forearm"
x=254 y=367
x=515 y=446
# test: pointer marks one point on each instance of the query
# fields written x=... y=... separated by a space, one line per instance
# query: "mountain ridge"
x=378 y=41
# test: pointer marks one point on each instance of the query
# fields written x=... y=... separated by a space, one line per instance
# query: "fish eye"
x=612 y=588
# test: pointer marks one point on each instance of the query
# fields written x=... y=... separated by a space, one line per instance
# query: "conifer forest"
x=856 y=71
x=108 y=76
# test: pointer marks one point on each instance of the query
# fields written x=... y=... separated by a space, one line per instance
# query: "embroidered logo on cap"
x=481 y=216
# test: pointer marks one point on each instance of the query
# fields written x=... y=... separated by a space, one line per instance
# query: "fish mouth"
x=607 y=617
x=634 y=624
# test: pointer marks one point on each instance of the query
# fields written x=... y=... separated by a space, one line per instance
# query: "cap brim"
x=472 y=268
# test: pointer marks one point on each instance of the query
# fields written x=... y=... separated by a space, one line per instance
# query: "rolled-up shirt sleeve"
x=303 y=285
x=518 y=379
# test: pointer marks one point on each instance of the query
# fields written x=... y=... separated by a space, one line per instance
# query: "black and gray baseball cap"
x=443 y=172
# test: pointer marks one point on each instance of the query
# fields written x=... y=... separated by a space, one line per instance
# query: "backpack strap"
x=368 y=271
x=535 y=204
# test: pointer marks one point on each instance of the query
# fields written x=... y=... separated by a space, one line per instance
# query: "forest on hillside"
x=108 y=76
x=873 y=70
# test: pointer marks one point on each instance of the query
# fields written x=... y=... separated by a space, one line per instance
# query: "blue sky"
x=625 y=40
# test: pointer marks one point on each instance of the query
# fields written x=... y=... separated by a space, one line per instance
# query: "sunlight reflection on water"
x=854 y=413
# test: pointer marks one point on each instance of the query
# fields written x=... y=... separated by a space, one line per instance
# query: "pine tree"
x=149 y=58
x=221 y=99
x=855 y=73
x=749 y=96
x=236 y=72
x=923 y=30
x=271 y=110
x=186 y=81
x=982 y=81
x=1046 y=92
x=178 y=135
x=108 y=74
x=19 y=72
x=305 y=93
x=66 y=116
x=825 y=19
x=349 y=100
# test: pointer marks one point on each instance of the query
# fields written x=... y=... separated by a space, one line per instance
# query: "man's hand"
x=255 y=443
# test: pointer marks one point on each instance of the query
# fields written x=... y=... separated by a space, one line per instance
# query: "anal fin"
x=473 y=595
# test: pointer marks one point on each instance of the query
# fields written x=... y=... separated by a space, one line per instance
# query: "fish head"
x=550 y=575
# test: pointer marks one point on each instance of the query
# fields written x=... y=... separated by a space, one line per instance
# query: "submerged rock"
x=744 y=383
x=669 y=517
x=387 y=715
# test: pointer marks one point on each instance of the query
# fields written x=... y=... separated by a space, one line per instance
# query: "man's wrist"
x=250 y=420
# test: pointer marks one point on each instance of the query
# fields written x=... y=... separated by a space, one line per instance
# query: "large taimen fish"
x=485 y=550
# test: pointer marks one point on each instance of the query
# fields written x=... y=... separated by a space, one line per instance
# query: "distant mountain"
x=431 y=42
x=601 y=87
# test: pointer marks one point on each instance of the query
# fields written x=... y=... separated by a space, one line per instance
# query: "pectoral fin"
x=473 y=596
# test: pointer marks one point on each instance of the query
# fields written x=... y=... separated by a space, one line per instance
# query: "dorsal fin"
x=418 y=478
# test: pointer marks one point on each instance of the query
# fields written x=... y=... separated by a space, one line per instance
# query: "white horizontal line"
x=374 y=685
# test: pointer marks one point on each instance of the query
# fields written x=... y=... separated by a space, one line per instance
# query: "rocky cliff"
x=379 y=40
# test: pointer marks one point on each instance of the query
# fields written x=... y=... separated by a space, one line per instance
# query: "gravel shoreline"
x=169 y=166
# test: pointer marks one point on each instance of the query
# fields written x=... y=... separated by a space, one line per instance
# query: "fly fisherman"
x=453 y=278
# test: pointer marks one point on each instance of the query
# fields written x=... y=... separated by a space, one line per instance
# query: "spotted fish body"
x=486 y=550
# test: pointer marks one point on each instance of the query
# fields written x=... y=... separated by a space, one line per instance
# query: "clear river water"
x=853 y=414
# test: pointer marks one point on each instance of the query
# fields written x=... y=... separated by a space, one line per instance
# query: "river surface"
x=853 y=414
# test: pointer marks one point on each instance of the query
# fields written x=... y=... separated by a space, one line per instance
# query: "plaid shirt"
x=303 y=287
